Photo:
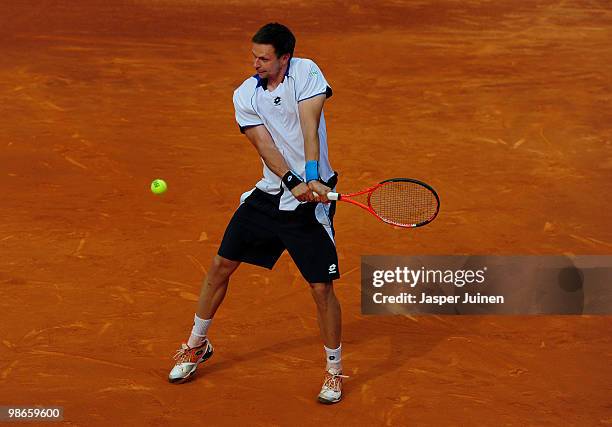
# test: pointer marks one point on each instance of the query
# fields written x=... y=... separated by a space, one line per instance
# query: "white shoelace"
x=332 y=381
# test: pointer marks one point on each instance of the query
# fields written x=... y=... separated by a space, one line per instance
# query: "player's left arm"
x=310 y=116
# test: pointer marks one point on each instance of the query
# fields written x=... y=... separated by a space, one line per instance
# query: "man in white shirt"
x=280 y=110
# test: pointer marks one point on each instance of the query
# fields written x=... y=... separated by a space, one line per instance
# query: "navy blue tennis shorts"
x=259 y=232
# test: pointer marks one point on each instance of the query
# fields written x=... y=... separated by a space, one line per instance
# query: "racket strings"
x=404 y=203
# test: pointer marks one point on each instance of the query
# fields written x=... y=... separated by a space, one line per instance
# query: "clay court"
x=503 y=106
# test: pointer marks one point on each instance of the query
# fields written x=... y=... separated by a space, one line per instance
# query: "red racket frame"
x=368 y=207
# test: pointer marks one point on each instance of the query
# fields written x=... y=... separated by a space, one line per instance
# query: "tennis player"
x=280 y=110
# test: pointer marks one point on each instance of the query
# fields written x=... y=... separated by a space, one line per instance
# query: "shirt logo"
x=332 y=269
x=277 y=100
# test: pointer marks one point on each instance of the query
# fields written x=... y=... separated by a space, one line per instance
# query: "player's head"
x=273 y=46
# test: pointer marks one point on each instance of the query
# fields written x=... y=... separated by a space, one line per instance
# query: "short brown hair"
x=278 y=36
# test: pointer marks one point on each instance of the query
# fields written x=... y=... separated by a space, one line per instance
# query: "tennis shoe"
x=331 y=392
x=188 y=359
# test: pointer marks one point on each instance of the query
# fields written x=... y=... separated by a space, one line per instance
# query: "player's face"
x=265 y=61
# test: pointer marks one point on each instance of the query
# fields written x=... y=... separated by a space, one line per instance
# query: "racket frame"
x=348 y=198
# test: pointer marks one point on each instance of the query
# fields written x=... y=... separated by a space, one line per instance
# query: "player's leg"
x=212 y=293
x=248 y=239
x=198 y=348
x=214 y=286
x=329 y=315
x=309 y=237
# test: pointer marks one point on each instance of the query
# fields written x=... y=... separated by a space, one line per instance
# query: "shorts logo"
x=277 y=100
x=332 y=269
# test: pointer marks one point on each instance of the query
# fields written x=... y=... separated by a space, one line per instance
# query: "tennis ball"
x=159 y=186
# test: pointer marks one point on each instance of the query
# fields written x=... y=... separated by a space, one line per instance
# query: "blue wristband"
x=312 y=170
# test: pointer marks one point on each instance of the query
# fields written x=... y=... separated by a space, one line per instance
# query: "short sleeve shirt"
x=278 y=111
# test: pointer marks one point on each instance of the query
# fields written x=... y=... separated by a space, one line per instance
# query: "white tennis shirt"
x=278 y=111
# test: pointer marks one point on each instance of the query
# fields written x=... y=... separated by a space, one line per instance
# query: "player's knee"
x=221 y=269
x=321 y=292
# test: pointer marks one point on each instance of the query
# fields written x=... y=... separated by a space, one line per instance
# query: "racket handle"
x=330 y=195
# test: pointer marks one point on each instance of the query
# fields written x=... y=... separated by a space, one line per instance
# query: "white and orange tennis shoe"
x=188 y=359
x=331 y=392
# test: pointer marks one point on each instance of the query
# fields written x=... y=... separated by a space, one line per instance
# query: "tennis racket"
x=401 y=202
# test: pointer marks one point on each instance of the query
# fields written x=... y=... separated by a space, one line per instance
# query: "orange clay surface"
x=504 y=107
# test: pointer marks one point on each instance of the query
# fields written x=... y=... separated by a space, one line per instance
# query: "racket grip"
x=333 y=196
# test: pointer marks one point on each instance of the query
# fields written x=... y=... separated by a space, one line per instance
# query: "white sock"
x=199 y=331
x=334 y=359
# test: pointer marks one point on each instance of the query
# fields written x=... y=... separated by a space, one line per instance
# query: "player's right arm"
x=274 y=160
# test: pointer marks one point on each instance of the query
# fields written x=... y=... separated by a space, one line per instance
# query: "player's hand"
x=321 y=190
x=303 y=193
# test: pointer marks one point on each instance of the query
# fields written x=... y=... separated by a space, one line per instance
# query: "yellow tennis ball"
x=159 y=186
